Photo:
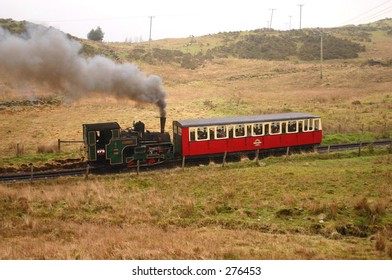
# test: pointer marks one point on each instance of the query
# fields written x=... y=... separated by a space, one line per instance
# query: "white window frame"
x=280 y=128
x=296 y=127
x=254 y=128
x=192 y=129
x=234 y=130
x=197 y=134
x=225 y=127
x=317 y=127
x=309 y=127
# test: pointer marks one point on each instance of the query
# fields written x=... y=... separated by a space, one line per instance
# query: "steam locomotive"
x=108 y=144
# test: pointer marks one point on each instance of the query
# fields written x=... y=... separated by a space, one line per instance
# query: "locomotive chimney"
x=163 y=122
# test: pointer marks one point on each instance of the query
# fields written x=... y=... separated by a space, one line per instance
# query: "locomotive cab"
x=96 y=137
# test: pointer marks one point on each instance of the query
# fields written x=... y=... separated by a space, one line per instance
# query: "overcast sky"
x=121 y=19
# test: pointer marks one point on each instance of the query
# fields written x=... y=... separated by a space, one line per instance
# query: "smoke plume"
x=46 y=55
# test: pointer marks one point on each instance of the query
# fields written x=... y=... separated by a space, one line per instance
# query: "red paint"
x=194 y=148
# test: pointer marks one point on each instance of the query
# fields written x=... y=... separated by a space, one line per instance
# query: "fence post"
x=183 y=162
x=58 y=145
x=224 y=159
x=359 y=149
x=17 y=150
x=31 y=171
x=87 y=171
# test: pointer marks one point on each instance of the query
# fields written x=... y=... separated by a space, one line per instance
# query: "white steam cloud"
x=47 y=55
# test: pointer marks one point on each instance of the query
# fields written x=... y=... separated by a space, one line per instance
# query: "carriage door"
x=92 y=148
x=177 y=138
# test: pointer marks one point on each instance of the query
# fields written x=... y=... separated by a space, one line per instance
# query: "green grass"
x=347 y=138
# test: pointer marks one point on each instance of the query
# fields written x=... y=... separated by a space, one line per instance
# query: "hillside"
x=347 y=42
x=369 y=41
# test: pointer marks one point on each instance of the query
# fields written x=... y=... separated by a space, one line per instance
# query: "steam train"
x=109 y=145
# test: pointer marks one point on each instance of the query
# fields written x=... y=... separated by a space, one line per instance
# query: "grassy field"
x=353 y=101
x=300 y=207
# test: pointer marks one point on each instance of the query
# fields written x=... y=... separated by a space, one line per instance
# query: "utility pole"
x=272 y=13
x=321 y=55
x=290 y=22
x=300 y=15
x=151 y=17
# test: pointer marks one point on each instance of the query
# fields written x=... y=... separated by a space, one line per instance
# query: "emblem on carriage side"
x=257 y=142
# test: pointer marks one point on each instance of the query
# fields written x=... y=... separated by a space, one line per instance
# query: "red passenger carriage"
x=236 y=134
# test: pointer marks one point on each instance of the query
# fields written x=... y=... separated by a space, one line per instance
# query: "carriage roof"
x=244 y=119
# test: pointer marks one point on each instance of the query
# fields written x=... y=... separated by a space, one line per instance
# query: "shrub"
x=96 y=34
x=46 y=148
x=333 y=47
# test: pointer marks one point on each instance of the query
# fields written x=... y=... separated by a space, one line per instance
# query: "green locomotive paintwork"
x=108 y=144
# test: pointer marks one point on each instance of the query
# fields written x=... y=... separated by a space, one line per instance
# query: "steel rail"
x=44 y=175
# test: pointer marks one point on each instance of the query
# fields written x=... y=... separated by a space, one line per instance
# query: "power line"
x=94 y=19
x=357 y=18
x=376 y=15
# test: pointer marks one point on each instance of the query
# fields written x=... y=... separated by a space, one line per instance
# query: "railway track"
x=45 y=175
x=354 y=146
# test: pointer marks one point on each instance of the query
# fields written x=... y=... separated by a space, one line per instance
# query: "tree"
x=96 y=34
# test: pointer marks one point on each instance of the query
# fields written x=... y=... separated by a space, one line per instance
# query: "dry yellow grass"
x=194 y=214
x=85 y=241
x=350 y=99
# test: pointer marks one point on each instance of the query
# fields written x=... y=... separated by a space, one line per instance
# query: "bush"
x=259 y=46
x=46 y=148
x=96 y=34
x=333 y=47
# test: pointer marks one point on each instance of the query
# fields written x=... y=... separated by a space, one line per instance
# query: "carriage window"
x=248 y=129
x=305 y=125
x=317 y=124
x=258 y=129
x=266 y=129
x=292 y=126
x=231 y=132
x=275 y=128
x=177 y=130
x=212 y=132
x=283 y=125
x=221 y=132
x=308 y=125
x=192 y=134
x=202 y=133
x=300 y=126
x=239 y=130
